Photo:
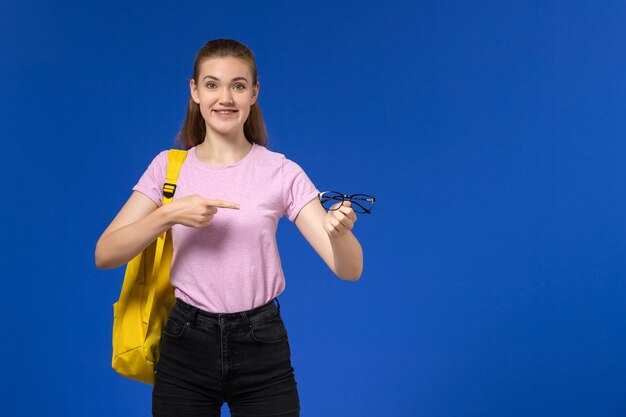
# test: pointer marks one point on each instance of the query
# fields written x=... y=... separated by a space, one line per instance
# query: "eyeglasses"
x=361 y=203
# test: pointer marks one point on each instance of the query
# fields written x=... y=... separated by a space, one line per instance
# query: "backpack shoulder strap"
x=175 y=159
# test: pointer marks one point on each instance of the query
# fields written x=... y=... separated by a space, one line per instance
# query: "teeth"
x=225 y=112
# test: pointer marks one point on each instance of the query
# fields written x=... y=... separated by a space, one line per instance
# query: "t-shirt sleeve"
x=298 y=189
x=152 y=180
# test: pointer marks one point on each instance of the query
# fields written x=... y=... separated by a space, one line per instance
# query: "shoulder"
x=273 y=161
x=279 y=164
x=269 y=155
x=160 y=156
x=158 y=165
x=287 y=164
x=160 y=159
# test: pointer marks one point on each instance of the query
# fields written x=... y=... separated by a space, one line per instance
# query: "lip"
x=225 y=116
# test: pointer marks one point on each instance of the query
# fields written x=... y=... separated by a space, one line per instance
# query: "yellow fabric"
x=147 y=297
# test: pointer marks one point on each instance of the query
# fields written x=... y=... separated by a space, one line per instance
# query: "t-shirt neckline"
x=194 y=159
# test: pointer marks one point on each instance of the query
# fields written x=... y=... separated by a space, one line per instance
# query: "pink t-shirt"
x=233 y=264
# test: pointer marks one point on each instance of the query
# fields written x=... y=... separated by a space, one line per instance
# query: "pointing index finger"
x=224 y=204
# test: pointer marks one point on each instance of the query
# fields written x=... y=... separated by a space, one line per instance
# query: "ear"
x=193 y=90
x=255 y=92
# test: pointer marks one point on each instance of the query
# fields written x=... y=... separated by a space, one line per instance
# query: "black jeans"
x=241 y=358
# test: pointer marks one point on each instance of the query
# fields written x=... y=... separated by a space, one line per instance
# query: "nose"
x=226 y=96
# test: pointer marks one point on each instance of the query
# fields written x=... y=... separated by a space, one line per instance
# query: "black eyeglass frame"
x=349 y=198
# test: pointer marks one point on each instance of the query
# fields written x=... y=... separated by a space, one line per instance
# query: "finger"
x=348 y=211
x=345 y=223
x=345 y=220
x=341 y=225
x=334 y=228
x=330 y=229
x=334 y=206
x=222 y=203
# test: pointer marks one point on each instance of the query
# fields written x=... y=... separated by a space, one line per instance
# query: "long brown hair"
x=194 y=128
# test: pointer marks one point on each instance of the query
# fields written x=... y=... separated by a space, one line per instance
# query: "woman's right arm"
x=140 y=221
x=137 y=225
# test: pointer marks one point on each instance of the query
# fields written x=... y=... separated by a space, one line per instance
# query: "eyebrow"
x=234 y=79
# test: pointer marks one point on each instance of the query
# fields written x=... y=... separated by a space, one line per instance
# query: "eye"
x=241 y=85
x=209 y=84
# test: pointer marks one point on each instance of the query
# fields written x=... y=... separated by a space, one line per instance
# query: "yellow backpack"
x=147 y=297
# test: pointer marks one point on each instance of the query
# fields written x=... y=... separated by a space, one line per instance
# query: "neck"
x=222 y=150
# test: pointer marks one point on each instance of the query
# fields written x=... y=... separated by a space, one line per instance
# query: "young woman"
x=225 y=339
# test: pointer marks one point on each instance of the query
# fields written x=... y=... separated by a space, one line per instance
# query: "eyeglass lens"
x=361 y=203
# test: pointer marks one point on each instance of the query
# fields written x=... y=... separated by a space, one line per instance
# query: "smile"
x=225 y=114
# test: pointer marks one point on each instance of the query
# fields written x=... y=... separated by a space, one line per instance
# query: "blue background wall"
x=492 y=134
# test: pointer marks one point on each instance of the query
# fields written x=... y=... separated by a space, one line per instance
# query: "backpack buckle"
x=168 y=190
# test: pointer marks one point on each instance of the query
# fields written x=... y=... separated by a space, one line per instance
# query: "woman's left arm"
x=330 y=235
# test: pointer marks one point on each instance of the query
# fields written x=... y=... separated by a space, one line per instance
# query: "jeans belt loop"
x=245 y=318
x=194 y=313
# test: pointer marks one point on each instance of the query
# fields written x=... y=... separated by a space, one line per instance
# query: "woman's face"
x=225 y=84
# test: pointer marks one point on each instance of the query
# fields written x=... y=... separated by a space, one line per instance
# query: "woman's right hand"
x=195 y=211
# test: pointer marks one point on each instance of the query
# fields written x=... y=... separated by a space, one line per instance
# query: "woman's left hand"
x=339 y=222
